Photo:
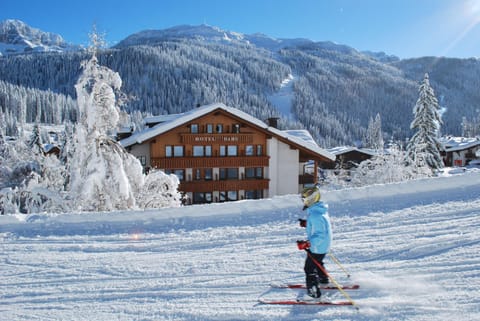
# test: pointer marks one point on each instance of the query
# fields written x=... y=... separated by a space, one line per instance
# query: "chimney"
x=273 y=122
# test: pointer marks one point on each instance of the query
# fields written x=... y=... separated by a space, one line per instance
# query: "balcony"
x=209 y=162
x=223 y=185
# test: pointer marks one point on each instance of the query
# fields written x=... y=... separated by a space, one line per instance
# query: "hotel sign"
x=217 y=138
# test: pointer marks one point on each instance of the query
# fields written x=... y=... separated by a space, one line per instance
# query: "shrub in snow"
x=387 y=167
x=159 y=190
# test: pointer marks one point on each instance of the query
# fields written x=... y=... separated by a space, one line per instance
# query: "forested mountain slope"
x=336 y=89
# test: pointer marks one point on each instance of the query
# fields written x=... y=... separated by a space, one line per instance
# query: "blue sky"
x=406 y=28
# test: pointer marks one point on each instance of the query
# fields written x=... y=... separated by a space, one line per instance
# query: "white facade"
x=142 y=152
x=283 y=168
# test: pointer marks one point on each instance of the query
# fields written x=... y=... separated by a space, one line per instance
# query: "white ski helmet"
x=310 y=196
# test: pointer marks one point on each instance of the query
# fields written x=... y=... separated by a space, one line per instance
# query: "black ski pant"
x=314 y=275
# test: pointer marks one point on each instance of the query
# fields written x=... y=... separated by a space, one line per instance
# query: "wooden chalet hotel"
x=223 y=154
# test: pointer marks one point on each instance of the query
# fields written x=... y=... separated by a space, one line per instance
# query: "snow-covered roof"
x=48 y=148
x=161 y=118
x=452 y=144
x=301 y=133
x=346 y=149
x=173 y=121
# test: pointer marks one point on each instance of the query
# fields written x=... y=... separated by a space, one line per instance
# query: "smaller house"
x=459 y=151
x=348 y=157
x=51 y=149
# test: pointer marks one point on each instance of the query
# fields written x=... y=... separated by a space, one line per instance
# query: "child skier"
x=319 y=235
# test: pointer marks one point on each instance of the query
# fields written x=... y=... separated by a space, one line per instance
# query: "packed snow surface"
x=413 y=248
x=283 y=98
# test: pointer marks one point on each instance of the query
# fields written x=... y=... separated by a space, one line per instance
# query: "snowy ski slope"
x=413 y=247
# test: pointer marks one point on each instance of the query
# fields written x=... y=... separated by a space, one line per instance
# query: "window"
x=219 y=128
x=200 y=198
x=210 y=128
x=208 y=174
x=254 y=194
x=232 y=150
x=173 y=151
x=180 y=173
x=143 y=160
x=228 y=173
x=232 y=195
x=223 y=173
x=198 y=174
x=228 y=196
x=259 y=150
x=198 y=151
x=253 y=172
x=232 y=173
x=208 y=197
x=177 y=151
x=194 y=128
x=208 y=151
x=249 y=150
x=249 y=172
x=223 y=196
x=236 y=128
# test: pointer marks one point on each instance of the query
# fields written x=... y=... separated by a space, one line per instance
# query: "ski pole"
x=345 y=294
x=334 y=259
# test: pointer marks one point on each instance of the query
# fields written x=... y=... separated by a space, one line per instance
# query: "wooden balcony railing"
x=223 y=185
x=209 y=162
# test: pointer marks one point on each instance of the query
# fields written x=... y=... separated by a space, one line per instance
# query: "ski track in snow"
x=414 y=251
x=282 y=99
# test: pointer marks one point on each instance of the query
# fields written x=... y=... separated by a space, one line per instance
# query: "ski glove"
x=303 y=245
x=303 y=223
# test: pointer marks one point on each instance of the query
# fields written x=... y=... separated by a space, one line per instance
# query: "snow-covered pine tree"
x=98 y=168
x=374 y=135
x=424 y=145
x=103 y=175
x=35 y=142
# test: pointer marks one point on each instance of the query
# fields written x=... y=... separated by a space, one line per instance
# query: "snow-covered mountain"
x=17 y=37
x=217 y=35
x=337 y=88
x=413 y=248
x=202 y=32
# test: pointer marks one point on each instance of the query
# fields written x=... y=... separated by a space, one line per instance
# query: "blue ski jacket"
x=319 y=229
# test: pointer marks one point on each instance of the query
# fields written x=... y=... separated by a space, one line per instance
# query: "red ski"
x=322 y=286
x=300 y=302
